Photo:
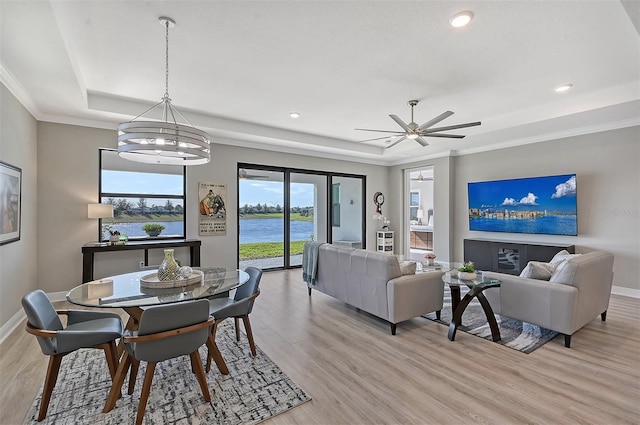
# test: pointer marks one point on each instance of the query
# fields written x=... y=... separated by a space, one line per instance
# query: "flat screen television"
x=545 y=205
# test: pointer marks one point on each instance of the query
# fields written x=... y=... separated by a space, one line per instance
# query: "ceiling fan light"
x=461 y=19
x=412 y=136
x=294 y=114
x=563 y=88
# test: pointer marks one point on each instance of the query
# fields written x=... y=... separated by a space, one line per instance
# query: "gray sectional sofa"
x=373 y=282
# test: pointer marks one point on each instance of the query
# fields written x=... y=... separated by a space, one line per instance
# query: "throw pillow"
x=537 y=270
x=560 y=257
x=408 y=267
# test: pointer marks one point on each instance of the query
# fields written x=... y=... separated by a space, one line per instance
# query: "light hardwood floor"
x=357 y=373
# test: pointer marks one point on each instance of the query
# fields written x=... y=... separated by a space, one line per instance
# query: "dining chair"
x=238 y=307
x=165 y=332
x=85 y=329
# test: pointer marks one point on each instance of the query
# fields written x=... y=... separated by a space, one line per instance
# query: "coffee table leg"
x=491 y=318
x=456 y=320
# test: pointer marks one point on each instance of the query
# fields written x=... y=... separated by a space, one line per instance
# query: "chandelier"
x=168 y=141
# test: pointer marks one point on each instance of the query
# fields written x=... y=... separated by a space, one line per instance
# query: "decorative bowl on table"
x=152 y=281
x=467 y=275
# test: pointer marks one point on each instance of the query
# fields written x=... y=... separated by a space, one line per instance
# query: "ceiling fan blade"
x=380 y=131
x=421 y=141
x=401 y=123
x=371 y=140
x=452 y=127
x=396 y=142
x=436 y=120
x=450 y=136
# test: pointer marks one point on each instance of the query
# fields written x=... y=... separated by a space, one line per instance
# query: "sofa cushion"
x=408 y=267
x=537 y=270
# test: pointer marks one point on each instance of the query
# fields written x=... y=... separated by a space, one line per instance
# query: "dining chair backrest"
x=249 y=288
x=162 y=318
x=42 y=315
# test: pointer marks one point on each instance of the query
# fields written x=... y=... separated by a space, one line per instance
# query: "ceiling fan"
x=243 y=175
x=417 y=132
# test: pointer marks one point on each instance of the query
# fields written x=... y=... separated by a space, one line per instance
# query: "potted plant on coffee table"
x=467 y=271
x=153 y=229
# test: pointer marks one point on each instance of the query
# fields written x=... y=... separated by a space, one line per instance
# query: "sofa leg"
x=438 y=312
x=309 y=291
x=603 y=315
x=567 y=341
x=393 y=329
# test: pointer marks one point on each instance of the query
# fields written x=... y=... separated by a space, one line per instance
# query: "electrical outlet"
x=141 y=264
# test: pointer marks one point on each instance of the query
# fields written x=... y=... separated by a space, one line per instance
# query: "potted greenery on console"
x=153 y=229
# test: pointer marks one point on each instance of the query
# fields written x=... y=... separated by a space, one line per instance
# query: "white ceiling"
x=237 y=68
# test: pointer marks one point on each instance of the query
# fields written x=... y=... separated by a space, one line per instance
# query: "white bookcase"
x=384 y=241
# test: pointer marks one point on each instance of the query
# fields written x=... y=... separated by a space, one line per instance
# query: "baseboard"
x=627 y=292
x=11 y=324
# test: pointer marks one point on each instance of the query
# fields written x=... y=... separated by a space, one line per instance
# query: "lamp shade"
x=99 y=210
x=420 y=214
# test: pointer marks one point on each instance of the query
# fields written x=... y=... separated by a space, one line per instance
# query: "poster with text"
x=212 y=200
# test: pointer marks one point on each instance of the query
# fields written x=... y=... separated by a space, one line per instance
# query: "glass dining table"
x=130 y=292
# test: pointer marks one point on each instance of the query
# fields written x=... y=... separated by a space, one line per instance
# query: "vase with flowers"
x=431 y=259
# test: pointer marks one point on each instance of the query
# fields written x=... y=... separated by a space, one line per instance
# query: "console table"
x=89 y=251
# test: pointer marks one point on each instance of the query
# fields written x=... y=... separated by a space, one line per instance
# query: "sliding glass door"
x=280 y=209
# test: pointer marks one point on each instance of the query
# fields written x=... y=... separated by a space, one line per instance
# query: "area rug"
x=521 y=336
x=255 y=389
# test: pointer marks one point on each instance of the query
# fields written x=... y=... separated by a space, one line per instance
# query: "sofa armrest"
x=414 y=295
x=550 y=305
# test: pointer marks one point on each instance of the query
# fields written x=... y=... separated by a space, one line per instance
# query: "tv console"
x=508 y=256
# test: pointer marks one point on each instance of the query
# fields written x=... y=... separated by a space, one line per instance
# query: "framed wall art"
x=10 y=197
x=212 y=201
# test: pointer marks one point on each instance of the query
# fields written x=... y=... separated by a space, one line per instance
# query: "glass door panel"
x=347 y=211
x=261 y=218
x=307 y=212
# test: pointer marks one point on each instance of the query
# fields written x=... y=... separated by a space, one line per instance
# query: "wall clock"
x=378 y=199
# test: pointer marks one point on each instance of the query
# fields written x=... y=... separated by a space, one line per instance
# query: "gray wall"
x=68 y=180
x=18 y=144
x=608 y=182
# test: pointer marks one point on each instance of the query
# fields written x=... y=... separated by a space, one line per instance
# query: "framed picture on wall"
x=10 y=196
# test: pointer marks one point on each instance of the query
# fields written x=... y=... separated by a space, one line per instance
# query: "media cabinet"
x=508 y=256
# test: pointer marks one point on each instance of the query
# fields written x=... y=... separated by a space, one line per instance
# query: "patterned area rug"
x=515 y=334
x=255 y=389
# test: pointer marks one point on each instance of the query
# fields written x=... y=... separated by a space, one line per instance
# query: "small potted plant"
x=153 y=229
x=114 y=236
x=467 y=271
x=431 y=258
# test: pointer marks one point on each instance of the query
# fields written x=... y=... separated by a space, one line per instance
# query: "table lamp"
x=99 y=211
x=420 y=214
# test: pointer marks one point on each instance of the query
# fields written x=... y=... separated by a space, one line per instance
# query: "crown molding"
x=12 y=84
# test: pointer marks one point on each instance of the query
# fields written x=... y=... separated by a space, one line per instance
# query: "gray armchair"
x=85 y=329
x=165 y=332
x=238 y=307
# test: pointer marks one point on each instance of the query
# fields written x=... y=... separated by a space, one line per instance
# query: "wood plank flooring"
x=357 y=373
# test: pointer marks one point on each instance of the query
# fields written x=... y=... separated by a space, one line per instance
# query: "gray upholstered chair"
x=85 y=329
x=238 y=307
x=165 y=332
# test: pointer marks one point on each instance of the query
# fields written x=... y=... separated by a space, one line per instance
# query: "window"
x=142 y=194
x=414 y=204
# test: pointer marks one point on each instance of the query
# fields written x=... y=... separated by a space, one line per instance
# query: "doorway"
x=419 y=212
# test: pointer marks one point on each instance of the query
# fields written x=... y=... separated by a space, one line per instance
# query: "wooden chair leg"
x=146 y=389
x=196 y=364
x=214 y=353
x=118 y=380
x=247 y=327
x=133 y=375
x=237 y=323
x=49 y=383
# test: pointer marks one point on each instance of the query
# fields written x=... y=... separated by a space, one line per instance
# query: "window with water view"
x=145 y=198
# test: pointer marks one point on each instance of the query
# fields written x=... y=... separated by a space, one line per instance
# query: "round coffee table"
x=476 y=286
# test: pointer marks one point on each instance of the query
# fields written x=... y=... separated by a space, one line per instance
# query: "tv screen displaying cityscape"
x=545 y=205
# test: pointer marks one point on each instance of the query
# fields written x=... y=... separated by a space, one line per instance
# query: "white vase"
x=467 y=276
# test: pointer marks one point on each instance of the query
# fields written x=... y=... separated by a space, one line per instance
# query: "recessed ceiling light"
x=563 y=88
x=461 y=19
x=294 y=114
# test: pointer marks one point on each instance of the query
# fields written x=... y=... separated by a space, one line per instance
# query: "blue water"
x=272 y=230
x=549 y=225
x=251 y=230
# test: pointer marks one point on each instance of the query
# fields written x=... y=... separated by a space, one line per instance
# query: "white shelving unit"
x=384 y=241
